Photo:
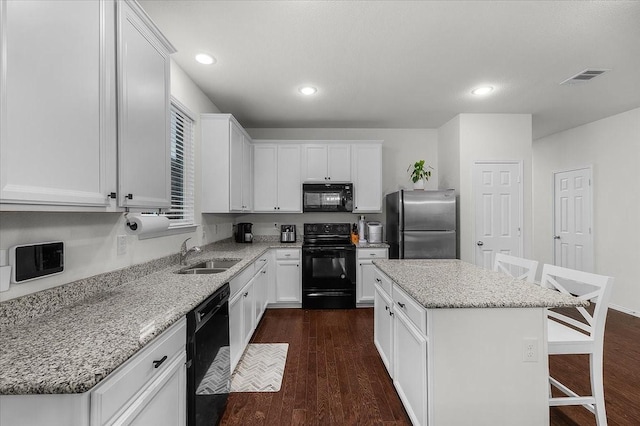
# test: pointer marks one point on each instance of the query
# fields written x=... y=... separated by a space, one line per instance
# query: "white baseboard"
x=625 y=310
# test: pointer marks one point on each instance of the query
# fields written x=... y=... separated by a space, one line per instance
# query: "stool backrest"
x=508 y=264
x=585 y=286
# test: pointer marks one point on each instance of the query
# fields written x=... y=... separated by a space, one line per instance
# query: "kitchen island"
x=464 y=345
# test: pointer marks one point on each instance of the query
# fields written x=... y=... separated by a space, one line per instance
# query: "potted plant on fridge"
x=420 y=174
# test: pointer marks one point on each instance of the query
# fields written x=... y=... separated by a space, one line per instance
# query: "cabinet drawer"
x=405 y=303
x=287 y=254
x=115 y=392
x=376 y=253
x=382 y=280
x=239 y=281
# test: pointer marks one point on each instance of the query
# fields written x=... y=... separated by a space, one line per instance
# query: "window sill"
x=173 y=230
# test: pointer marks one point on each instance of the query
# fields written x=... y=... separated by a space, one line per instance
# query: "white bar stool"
x=569 y=336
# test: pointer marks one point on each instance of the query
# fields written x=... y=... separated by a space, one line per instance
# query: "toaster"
x=287 y=233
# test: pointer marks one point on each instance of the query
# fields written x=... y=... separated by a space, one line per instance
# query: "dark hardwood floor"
x=334 y=375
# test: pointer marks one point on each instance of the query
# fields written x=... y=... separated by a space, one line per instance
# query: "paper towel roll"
x=145 y=225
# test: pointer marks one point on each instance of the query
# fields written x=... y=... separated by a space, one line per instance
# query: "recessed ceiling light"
x=205 y=59
x=482 y=90
x=308 y=90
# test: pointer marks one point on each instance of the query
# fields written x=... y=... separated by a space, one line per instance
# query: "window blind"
x=182 y=167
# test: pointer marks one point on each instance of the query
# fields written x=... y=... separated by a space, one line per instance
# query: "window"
x=182 y=166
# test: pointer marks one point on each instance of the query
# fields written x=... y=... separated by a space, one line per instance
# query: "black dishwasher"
x=208 y=359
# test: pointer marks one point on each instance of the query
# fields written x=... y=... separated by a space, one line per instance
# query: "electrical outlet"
x=122 y=245
x=530 y=350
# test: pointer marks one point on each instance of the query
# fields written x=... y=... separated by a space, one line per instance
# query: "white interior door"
x=573 y=236
x=498 y=210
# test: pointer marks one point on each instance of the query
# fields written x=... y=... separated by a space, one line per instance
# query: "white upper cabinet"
x=58 y=100
x=367 y=177
x=277 y=186
x=326 y=162
x=57 y=103
x=143 y=110
x=227 y=166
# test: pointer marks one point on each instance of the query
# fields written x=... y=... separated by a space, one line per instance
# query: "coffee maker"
x=243 y=233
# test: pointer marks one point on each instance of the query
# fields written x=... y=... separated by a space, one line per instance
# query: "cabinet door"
x=57 y=103
x=265 y=178
x=289 y=182
x=410 y=368
x=163 y=403
x=367 y=177
x=248 y=311
x=236 y=331
x=314 y=163
x=261 y=290
x=143 y=115
x=339 y=163
x=288 y=283
x=365 y=281
x=236 y=147
x=383 y=328
x=247 y=175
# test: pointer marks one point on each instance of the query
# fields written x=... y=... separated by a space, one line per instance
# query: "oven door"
x=329 y=277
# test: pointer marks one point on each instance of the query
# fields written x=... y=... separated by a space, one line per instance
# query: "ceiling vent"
x=585 y=76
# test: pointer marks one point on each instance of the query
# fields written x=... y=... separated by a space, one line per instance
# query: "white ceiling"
x=407 y=64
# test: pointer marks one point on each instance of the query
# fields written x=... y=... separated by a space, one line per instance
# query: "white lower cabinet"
x=249 y=294
x=383 y=327
x=364 y=274
x=288 y=276
x=401 y=339
x=410 y=367
x=149 y=389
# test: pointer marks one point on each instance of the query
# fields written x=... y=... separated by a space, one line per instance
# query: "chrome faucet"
x=184 y=252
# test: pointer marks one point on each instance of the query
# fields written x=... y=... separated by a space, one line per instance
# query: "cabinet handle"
x=246 y=294
x=129 y=197
x=372 y=254
x=278 y=208
x=390 y=313
x=112 y=195
x=264 y=272
x=159 y=362
x=378 y=280
x=275 y=208
x=402 y=305
x=386 y=308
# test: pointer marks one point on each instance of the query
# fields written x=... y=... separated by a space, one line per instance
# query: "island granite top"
x=453 y=283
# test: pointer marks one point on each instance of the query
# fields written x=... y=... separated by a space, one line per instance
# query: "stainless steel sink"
x=213 y=266
x=215 y=263
x=198 y=271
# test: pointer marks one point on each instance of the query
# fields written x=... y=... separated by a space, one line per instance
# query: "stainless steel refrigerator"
x=421 y=224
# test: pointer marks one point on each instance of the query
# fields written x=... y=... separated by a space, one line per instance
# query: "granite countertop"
x=457 y=284
x=372 y=245
x=72 y=349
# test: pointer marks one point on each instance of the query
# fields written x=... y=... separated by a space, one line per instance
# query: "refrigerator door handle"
x=479 y=243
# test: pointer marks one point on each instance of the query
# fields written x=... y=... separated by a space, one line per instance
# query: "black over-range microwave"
x=327 y=197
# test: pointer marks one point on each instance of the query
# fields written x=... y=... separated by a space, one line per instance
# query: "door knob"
x=479 y=243
x=556 y=237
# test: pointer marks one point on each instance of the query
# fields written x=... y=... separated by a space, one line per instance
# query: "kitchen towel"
x=146 y=226
x=261 y=368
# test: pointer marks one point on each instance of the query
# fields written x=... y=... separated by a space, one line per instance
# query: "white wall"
x=400 y=148
x=612 y=147
x=90 y=238
x=468 y=138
